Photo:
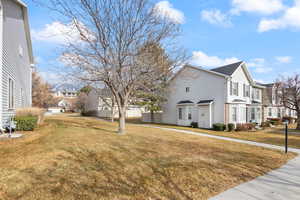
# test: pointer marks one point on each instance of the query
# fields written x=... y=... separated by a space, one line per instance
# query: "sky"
x=263 y=33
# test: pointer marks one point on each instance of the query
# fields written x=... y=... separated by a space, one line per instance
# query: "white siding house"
x=272 y=105
x=226 y=94
x=100 y=102
x=16 y=59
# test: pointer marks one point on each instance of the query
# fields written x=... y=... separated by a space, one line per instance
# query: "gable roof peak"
x=228 y=69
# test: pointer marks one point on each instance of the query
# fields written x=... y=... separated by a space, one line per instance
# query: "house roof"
x=205 y=101
x=267 y=85
x=228 y=69
x=185 y=102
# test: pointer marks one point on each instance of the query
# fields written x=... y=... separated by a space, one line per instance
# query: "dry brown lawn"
x=73 y=157
x=274 y=136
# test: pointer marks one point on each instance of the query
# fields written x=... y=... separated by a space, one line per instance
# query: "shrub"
x=289 y=119
x=31 y=112
x=26 y=123
x=194 y=124
x=230 y=127
x=219 y=127
x=275 y=121
x=89 y=113
x=265 y=124
x=245 y=127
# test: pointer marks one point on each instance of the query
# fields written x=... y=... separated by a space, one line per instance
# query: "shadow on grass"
x=93 y=175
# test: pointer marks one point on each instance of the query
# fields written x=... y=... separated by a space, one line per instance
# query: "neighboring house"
x=16 y=59
x=101 y=102
x=272 y=105
x=68 y=95
x=226 y=94
x=65 y=91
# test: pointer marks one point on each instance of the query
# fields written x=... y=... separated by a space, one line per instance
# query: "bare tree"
x=112 y=36
x=108 y=100
x=288 y=89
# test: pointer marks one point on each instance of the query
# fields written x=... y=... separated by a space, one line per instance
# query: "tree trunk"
x=122 y=116
x=298 y=121
x=113 y=109
x=152 y=116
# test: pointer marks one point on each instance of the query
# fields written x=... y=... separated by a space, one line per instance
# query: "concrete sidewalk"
x=280 y=184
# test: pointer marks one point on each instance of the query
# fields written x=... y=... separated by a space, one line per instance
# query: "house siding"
x=15 y=59
x=203 y=86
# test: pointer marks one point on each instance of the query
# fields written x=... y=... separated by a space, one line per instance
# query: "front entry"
x=204 y=116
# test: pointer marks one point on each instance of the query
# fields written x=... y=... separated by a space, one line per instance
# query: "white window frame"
x=234 y=114
x=279 y=113
x=180 y=113
x=270 y=113
x=187 y=89
x=190 y=113
x=253 y=114
x=234 y=88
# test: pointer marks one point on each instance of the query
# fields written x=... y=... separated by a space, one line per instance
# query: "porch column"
x=210 y=115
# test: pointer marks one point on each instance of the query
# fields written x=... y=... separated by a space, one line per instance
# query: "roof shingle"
x=228 y=69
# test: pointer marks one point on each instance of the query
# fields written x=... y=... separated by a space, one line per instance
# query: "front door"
x=204 y=117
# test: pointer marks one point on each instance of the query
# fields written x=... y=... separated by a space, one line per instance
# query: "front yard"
x=72 y=157
x=273 y=136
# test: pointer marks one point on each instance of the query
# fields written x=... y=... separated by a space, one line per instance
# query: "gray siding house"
x=16 y=59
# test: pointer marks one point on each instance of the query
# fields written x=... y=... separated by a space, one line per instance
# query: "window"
x=257 y=92
x=258 y=113
x=246 y=90
x=187 y=89
x=234 y=114
x=234 y=87
x=180 y=113
x=190 y=113
x=11 y=98
x=278 y=113
x=270 y=112
x=252 y=113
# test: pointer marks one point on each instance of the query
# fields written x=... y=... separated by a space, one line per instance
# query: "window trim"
x=187 y=89
x=180 y=113
x=234 y=113
x=190 y=113
x=270 y=113
x=234 y=88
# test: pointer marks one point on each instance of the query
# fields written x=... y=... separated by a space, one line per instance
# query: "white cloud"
x=290 y=19
x=265 y=7
x=51 y=77
x=284 y=59
x=201 y=59
x=216 y=17
x=259 y=65
x=59 y=33
x=263 y=70
x=256 y=62
x=165 y=9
